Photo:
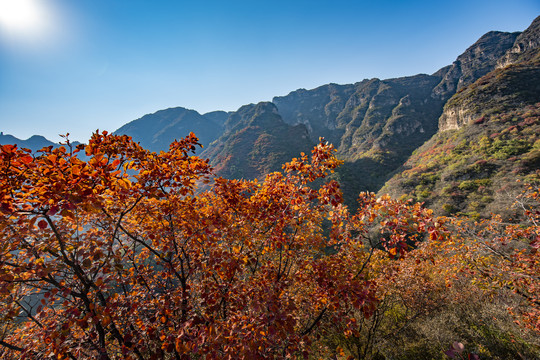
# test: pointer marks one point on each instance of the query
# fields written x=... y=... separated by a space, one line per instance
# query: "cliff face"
x=513 y=84
x=494 y=140
x=524 y=48
x=473 y=169
x=382 y=114
x=358 y=117
x=385 y=120
x=317 y=109
x=456 y=117
x=500 y=91
x=377 y=124
x=478 y=60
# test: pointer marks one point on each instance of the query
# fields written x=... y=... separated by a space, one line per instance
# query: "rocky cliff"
x=377 y=124
x=501 y=91
x=317 y=109
x=478 y=60
x=473 y=170
x=514 y=83
x=488 y=138
x=524 y=48
x=370 y=115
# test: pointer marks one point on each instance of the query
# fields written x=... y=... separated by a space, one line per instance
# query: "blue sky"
x=102 y=63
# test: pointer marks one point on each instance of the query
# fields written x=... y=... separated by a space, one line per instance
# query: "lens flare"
x=26 y=21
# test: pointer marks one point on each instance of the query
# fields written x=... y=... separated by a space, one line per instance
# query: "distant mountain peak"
x=34 y=143
x=157 y=130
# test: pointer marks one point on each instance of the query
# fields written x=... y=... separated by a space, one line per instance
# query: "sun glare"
x=26 y=20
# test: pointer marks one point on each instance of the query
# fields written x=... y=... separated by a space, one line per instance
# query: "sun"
x=25 y=19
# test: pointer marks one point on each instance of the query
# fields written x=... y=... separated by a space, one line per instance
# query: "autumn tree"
x=506 y=256
x=477 y=287
x=115 y=255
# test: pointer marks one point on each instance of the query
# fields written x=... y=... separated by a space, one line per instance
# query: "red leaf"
x=42 y=224
x=8 y=148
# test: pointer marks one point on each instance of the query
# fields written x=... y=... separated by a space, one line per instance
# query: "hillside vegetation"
x=488 y=140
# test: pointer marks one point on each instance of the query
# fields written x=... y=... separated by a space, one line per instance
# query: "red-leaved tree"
x=118 y=256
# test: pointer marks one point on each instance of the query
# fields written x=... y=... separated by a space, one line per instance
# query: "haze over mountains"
x=377 y=125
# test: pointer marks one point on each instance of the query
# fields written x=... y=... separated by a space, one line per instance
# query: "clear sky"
x=79 y=65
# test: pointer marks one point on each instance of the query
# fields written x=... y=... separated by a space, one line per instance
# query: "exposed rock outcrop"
x=494 y=142
x=500 y=91
x=456 y=117
x=515 y=83
x=524 y=48
x=478 y=60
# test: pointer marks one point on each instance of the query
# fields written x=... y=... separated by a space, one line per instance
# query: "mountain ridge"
x=376 y=125
x=157 y=130
x=34 y=142
x=256 y=141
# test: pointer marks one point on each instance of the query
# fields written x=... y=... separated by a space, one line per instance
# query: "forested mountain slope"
x=257 y=141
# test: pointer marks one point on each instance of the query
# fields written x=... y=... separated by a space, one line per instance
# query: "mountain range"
x=450 y=139
x=33 y=143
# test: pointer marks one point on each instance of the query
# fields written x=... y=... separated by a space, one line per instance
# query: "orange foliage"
x=118 y=256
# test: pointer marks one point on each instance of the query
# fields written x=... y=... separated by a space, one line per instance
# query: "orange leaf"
x=27 y=159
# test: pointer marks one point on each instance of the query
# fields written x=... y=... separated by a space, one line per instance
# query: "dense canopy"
x=109 y=251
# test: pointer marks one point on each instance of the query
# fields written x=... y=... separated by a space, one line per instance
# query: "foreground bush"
x=115 y=255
